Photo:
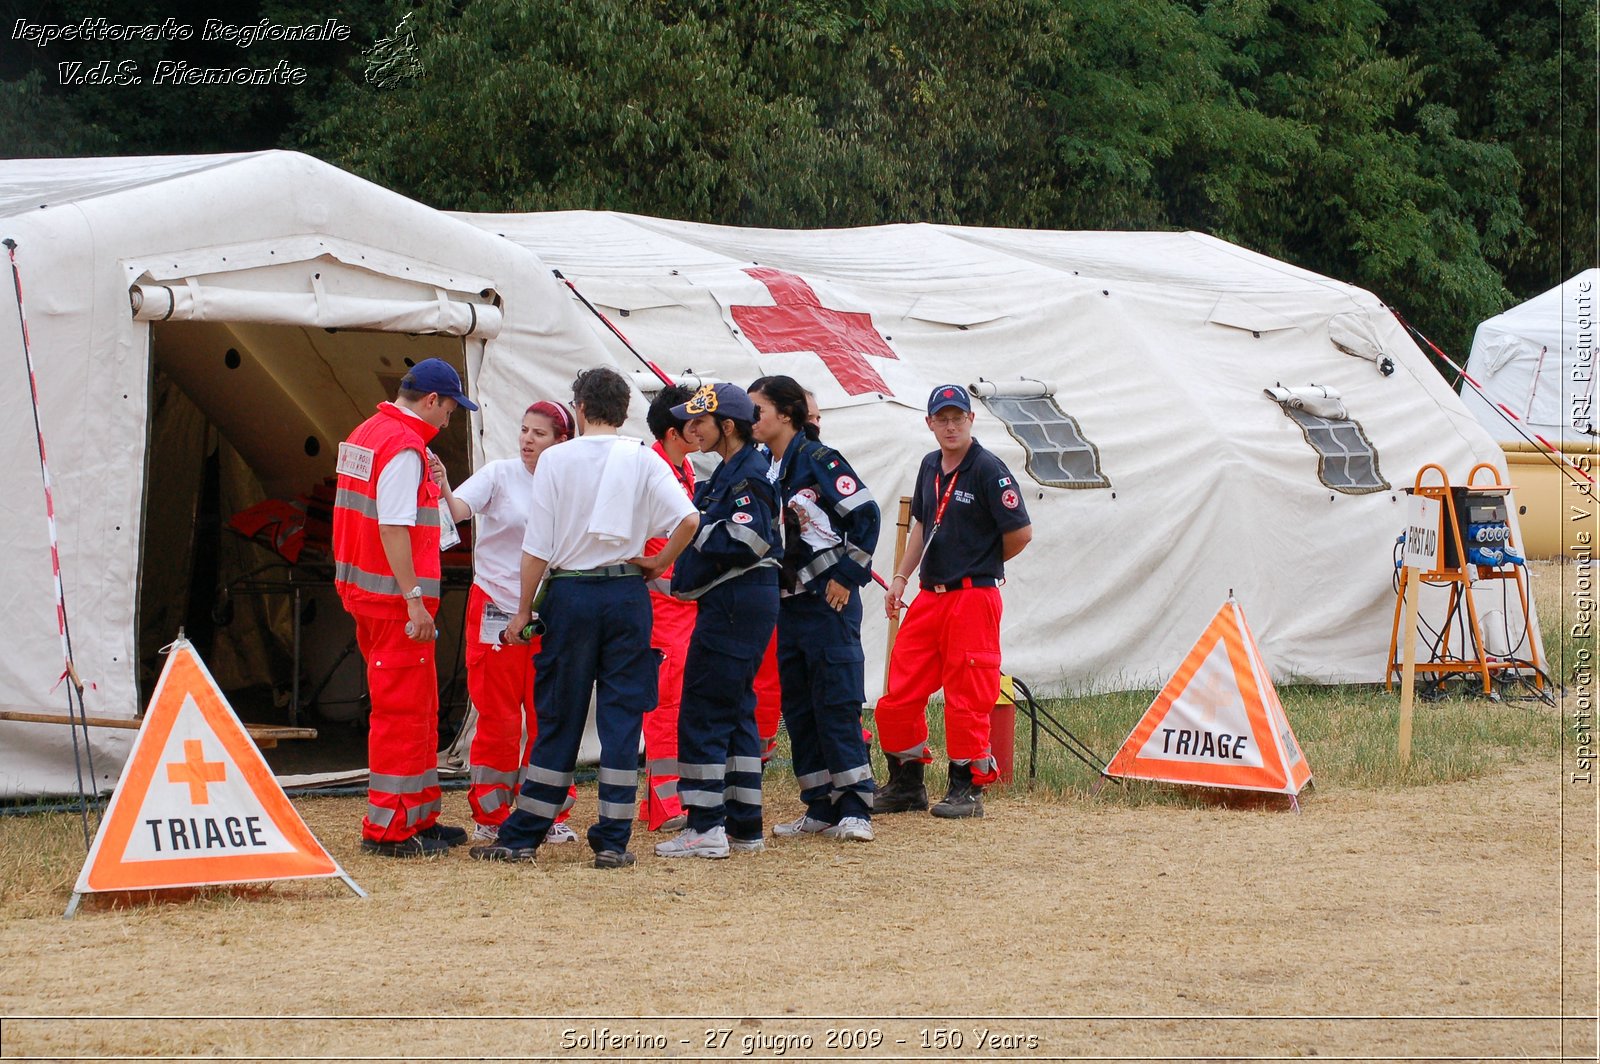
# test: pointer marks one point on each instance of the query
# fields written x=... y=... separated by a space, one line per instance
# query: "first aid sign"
x=196 y=804
x=1422 y=534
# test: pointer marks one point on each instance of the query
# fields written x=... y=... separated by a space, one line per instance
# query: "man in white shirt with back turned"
x=596 y=500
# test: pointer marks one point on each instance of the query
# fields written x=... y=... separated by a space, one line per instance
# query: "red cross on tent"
x=799 y=322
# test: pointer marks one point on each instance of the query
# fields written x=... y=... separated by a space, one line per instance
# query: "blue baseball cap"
x=729 y=400
x=437 y=375
x=949 y=395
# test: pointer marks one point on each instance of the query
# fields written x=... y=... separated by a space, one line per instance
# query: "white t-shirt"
x=597 y=499
x=398 y=484
x=498 y=495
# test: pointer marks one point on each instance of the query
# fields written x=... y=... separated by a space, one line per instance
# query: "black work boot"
x=965 y=798
x=905 y=792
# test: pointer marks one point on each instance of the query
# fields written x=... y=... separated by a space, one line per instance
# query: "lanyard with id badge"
x=939 y=508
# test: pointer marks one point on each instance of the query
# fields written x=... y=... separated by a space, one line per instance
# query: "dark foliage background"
x=1442 y=154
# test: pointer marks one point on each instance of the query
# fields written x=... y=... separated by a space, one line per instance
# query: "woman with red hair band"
x=500 y=676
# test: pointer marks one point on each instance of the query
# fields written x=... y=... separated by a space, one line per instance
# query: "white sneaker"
x=558 y=834
x=804 y=824
x=486 y=833
x=756 y=845
x=853 y=828
x=711 y=844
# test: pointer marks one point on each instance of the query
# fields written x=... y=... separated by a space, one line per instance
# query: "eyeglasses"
x=756 y=408
x=951 y=419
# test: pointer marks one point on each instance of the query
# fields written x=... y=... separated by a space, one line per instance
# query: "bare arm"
x=893 y=602
x=656 y=564
x=533 y=570
x=1011 y=543
x=459 y=511
x=396 y=540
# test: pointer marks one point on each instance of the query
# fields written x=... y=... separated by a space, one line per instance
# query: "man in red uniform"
x=386 y=524
x=967 y=520
x=672 y=625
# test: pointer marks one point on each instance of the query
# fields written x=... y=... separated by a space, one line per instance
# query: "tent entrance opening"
x=244 y=429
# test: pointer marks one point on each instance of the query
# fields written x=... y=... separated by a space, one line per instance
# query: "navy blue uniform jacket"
x=815 y=472
x=739 y=529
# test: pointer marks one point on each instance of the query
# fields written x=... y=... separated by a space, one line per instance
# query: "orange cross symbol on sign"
x=196 y=771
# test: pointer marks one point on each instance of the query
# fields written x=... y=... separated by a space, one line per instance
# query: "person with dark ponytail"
x=731 y=571
x=831 y=526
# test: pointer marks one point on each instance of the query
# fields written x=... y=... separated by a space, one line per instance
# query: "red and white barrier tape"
x=67 y=671
x=1516 y=422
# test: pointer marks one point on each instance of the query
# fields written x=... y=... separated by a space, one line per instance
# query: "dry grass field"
x=1413 y=919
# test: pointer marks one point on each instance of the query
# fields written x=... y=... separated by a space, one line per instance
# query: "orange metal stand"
x=1461 y=577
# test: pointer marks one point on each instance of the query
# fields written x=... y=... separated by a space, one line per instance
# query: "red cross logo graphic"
x=799 y=322
x=196 y=771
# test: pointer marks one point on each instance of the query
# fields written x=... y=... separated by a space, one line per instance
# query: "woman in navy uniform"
x=830 y=529
x=731 y=571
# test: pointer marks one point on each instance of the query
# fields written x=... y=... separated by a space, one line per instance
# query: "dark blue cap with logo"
x=949 y=395
x=729 y=400
x=437 y=375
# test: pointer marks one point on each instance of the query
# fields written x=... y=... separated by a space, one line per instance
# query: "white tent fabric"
x=1537 y=360
x=276 y=248
x=1162 y=346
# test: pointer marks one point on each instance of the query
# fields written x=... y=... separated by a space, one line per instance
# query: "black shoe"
x=415 y=846
x=905 y=791
x=614 y=859
x=515 y=854
x=965 y=798
x=445 y=833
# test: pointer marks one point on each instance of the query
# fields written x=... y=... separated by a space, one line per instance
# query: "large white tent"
x=1535 y=366
x=205 y=330
x=1141 y=369
x=1537 y=361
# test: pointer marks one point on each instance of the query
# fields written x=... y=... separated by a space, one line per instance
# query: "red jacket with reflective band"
x=362 y=575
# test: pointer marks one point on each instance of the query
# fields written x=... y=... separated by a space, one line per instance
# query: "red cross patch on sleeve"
x=845 y=485
x=1009 y=499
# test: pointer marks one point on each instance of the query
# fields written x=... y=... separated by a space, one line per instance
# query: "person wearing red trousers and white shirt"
x=386 y=524
x=968 y=520
x=500 y=675
x=672 y=624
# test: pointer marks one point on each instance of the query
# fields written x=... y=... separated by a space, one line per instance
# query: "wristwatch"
x=414 y=593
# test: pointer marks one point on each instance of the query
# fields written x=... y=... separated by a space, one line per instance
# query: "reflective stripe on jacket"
x=362 y=575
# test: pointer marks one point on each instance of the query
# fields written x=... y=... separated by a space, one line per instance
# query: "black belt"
x=605 y=572
x=962 y=584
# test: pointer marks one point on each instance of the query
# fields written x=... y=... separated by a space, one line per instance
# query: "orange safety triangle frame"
x=107 y=868
x=1284 y=768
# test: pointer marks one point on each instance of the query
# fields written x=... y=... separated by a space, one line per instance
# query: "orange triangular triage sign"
x=197 y=805
x=1218 y=721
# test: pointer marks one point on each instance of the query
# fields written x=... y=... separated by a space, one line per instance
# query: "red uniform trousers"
x=769 y=700
x=671 y=625
x=403 y=732
x=949 y=640
x=500 y=684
